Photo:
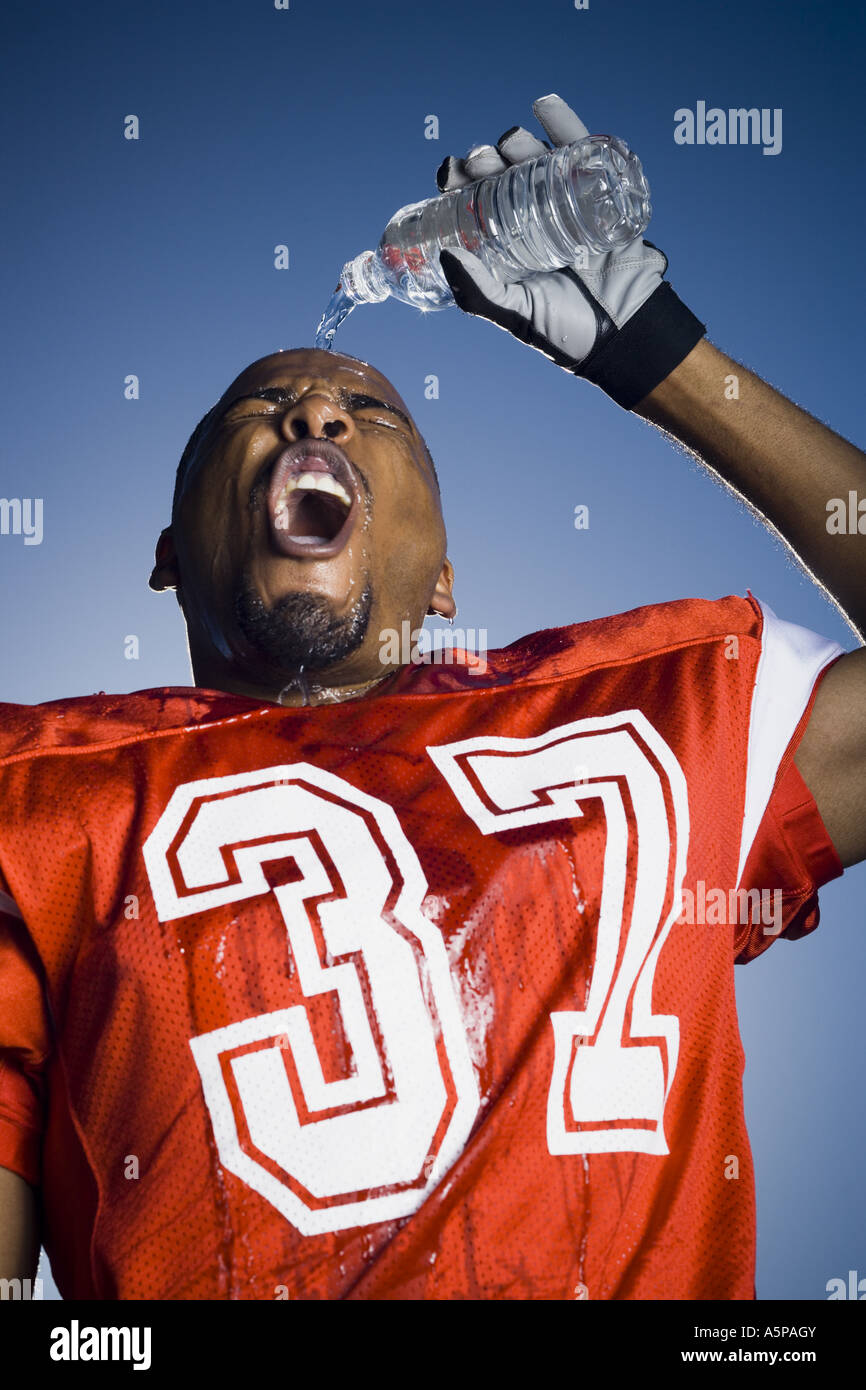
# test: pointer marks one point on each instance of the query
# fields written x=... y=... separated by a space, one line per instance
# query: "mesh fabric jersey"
x=425 y=995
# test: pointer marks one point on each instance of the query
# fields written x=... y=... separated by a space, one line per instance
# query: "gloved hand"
x=616 y=322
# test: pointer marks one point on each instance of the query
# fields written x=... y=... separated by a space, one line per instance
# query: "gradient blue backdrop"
x=306 y=126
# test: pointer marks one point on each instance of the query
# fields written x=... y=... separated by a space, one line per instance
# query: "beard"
x=301 y=631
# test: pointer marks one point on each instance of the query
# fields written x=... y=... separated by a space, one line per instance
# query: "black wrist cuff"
x=632 y=361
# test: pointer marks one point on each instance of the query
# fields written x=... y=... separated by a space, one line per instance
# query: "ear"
x=442 y=603
x=165 y=572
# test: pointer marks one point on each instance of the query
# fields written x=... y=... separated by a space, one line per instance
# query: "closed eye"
x=274 y=401
x=249 y=412
x=357 y=402
x=389 y=424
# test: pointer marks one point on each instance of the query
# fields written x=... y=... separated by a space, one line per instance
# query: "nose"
x=318 y=416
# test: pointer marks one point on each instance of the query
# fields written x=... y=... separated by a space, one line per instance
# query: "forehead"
x=307 y=368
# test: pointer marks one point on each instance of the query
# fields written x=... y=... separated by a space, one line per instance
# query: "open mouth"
x=313 y=500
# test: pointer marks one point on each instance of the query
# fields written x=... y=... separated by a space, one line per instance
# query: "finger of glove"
x=479 y=163
x=475 y=290
x=513 y=147
x=518 y=144
x=451 y=174
x=561 y=123
x=482 y=161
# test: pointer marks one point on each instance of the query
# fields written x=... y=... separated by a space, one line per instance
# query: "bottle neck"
x=362 y=280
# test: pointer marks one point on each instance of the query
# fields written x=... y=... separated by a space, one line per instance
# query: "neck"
x=299 y=689
x=247 y=674
x=308 y=690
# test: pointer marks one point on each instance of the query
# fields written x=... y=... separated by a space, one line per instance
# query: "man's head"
x=306 y=521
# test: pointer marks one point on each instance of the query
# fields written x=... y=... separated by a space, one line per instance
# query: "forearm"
x=784 y=462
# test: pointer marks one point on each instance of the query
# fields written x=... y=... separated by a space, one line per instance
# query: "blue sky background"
x=306 y=127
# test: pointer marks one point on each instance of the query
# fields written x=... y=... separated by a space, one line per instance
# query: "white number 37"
x=331 y=1154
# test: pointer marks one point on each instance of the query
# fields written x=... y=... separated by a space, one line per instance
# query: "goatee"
x=301 y=631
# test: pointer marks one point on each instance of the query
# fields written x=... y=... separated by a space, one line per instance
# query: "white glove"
x=616 y=322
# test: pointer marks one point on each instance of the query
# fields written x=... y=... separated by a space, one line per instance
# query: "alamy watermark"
x=23 y=1290
x=449 y=647
x=853 y=1287
x=22 y=516
x=737 y=126
x=847 y=517
x=77 y=1343
x=732 y=906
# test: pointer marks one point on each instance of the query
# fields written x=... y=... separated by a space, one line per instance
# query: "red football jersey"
x=425 y=995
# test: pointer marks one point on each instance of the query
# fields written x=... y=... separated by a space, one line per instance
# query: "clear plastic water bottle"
x=531 y=217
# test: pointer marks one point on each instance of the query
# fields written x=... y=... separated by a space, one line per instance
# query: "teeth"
x=317 y=482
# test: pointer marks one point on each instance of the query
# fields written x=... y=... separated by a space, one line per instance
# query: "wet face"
x=308 y=524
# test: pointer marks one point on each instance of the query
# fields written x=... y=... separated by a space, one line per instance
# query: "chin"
x=302 y=630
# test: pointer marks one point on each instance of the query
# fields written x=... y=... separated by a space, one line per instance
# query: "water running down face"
x=306 y=524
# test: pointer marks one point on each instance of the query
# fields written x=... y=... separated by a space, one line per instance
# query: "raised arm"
x=616 y=321
x=789 y=467
x=783 y=461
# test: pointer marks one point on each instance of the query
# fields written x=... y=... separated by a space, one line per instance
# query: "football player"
x=342 y=975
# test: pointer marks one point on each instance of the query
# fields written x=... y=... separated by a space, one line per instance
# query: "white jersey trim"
x=791 y=660
x=9 y=905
